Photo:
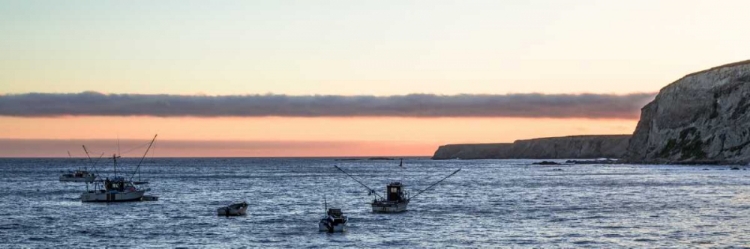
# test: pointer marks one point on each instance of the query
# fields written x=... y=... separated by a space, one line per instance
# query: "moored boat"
x=119 y=189
x=78 y=176
x=334 y=221
x=115 y=190
x=397 y=199
x=395 y=202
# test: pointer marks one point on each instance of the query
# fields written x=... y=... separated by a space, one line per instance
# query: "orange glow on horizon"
x=372 y=136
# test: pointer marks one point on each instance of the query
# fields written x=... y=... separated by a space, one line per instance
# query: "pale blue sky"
x=364 y=47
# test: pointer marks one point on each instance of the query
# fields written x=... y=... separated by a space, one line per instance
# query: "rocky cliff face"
x=609 y=146
x=702 y=117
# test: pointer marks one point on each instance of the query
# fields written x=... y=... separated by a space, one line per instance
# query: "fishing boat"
x=79 y=175
x=118 y=189
x=237 y=209
x=395 y=202
x=397 y=199
x=334 y=221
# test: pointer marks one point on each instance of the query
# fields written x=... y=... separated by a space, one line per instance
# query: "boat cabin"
x=395 y=192
x=118 y=184
x=335 y=212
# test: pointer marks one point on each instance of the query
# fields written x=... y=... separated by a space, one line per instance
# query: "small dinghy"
x=237 y=209
x=334 y=221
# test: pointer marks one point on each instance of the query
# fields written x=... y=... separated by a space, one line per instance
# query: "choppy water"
x=490 y=203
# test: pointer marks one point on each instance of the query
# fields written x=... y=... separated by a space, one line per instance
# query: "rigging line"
x=355 y=179
x=93 y=166
x=136 y=147
x=144 y=156
x=420 y=192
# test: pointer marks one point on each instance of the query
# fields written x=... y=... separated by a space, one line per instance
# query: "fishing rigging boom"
x=360 y=183
x=144 y=156
x=436 y=183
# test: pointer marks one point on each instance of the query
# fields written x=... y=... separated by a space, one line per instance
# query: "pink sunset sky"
x=341 y=78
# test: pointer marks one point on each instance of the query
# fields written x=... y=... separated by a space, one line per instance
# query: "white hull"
x=112 y=197
x=340 y=228
x=77 y=179
x=228 y=211
x=389 y=207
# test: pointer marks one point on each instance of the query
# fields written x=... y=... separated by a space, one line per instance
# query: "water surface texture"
x=490 y=203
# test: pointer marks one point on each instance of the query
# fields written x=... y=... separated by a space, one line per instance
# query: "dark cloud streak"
x=534 y=105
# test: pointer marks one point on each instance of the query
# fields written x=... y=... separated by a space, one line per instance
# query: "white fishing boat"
x=397 y=199
x=395 y=202
x=79 y=175
x=334 y=221
x=237 y=209
x=115 y=190
x=118 y=189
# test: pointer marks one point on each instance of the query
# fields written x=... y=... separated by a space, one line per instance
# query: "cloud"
x=532 y=105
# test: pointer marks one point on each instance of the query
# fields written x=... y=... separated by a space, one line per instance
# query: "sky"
x=343 y=78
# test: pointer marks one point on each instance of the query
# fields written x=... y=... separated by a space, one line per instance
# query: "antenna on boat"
x=325 y=204
x=118 y=145
x=138 y=168
x=436 y=183
x=360 y=183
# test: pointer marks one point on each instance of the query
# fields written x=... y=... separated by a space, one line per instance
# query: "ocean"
x=490 y=203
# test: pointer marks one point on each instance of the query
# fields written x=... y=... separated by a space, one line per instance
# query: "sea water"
x=490 y=203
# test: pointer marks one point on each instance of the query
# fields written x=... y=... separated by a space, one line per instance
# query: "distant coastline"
x=703 y=118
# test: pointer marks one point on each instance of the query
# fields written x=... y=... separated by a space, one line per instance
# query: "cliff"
x=573 y=147
x=702 y=117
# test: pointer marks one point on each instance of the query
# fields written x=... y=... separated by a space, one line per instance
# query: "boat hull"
x=112 y=197
x=77 y=179
x=389 y=207
x=338 y=228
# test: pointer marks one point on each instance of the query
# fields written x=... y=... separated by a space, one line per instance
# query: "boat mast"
x=138 y=168
x=87 y=153
x=71 y=159
x=436 y=183
x=114 y=158
x=360 y=183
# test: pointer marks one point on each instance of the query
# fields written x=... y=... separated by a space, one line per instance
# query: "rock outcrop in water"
x=701 y=118
x=609 y=146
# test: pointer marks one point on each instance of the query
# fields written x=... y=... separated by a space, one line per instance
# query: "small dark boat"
x=237 y=209
x=334 y=221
